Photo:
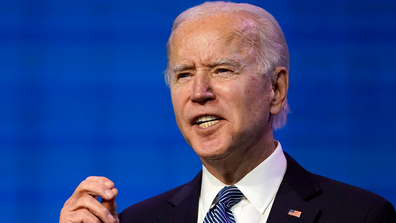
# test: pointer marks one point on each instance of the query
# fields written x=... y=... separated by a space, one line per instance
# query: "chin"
x=210 y=151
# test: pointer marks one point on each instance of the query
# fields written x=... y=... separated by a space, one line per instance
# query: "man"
x=228 y=76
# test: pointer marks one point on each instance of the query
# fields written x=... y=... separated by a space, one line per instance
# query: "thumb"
x=111 y=204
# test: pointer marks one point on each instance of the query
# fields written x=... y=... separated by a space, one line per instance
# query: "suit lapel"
x=184 y=203
x=297 y=187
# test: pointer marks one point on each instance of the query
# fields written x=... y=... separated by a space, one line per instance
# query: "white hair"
x=271 y=45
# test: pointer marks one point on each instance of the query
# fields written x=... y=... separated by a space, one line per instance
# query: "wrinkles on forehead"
x=234 y=33
x=244 y=33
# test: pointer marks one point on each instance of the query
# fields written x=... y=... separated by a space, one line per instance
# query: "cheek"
x=177 y=111
x=175 y=101
x=258 y=98
x=178 y=104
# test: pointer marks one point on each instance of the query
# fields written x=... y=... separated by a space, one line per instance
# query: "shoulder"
x=337 y=198
x=309 y=186
x=335 y=201
x=337 y=191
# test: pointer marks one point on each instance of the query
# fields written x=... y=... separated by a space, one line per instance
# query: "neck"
x=233 y=167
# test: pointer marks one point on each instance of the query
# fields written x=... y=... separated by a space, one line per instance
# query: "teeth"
x=207 y=124
x=207 y=120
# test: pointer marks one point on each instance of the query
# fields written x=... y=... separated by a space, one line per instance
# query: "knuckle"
x=82 y=185
x=90 y=178
x=85 y=215
x=109 y=184
x=103 y=210
x=67 y=203
x=81 y=215
x=85 y=201
x=63 y=213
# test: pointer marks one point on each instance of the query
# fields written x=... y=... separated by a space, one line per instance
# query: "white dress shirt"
x=259 y=188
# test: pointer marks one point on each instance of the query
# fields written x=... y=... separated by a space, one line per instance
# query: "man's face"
x=222 y=106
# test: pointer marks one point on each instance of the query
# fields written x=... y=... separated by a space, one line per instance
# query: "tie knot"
x=221 y=210
x=229 y=196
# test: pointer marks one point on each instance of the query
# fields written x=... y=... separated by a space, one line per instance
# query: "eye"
x=222 y=70
x=183 y=75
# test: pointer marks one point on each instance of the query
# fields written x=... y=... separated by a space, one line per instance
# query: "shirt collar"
x=259 y=186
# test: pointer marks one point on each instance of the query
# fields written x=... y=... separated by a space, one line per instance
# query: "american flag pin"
x=295 y=213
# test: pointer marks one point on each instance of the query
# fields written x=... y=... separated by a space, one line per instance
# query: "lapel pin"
x=294 y=213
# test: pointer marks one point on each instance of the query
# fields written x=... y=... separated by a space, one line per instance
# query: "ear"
x=280 y=87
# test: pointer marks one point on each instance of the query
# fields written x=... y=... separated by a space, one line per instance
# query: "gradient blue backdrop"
x=82 y=93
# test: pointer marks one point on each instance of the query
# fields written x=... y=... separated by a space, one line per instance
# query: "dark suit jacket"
x=318 y=198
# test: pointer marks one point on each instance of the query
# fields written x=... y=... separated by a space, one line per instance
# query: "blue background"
x=82 y=93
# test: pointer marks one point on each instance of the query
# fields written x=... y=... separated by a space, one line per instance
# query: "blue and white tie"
x=221 y=211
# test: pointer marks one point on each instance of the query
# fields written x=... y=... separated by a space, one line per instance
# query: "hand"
x=83 y=206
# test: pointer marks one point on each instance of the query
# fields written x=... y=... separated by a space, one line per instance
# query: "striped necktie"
x=221 y=211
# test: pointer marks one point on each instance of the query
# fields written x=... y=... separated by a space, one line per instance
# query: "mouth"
x=206 y=121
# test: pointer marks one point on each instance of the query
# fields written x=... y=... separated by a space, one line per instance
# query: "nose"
x=202 y=89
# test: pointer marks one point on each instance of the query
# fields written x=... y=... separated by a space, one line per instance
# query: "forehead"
x=223 y=22
x=225 y=29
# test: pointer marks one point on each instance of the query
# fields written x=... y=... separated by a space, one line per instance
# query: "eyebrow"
x=220 y=62
x=181 y=67
x=225 y=61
